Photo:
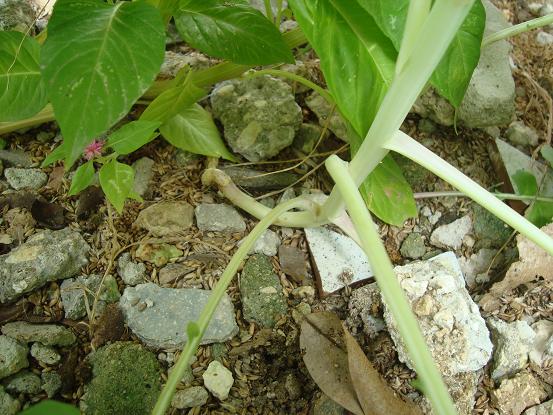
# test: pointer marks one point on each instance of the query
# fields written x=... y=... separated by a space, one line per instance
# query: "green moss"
x=126 y=380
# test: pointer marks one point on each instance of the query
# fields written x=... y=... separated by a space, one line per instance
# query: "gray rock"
x=159 y=316
x=16 y=158
x=45 y=354
x=219 y=217
x=326 y=406
x=166 y=218
x=143 y=175
x=8 y=405
x=77 y=292
x=266 y=244
x=512 y=341
x=364 y=305
x=522 y=135
x=544 y=38
x=25 y=178
x=261 y=293
x=51 y=383
x=307 y=137
x=451 y=236
x=544 y=331
x=548 y=350
x=174 y=62
x=259 y=115
x=47 y=334
x=24 y=382
x=218 y=380
x=292 y=262
x=323 y=110
x=450 y=321
x=489 y=231
x=46 y=256
x=426 y=126
x=413 y=246
x=16 y=15
x=14 y=356
x=131 y=273
x=545 y=408
x=125 y=380
x=475 y=268
x=516 y=394
x=194 y=396
x=258 y=180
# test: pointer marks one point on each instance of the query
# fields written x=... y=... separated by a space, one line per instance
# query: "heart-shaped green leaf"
x=117 y=181
x=132 y=136
x=49 y=407
x=236 y=32
x=193 y=130
x=98 y=59
x=22 y=92
x=82 y=178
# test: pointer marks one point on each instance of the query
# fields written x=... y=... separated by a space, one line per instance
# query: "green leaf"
x=173 y=100
x=303 y=13
x=539 y=213
x=83 y=178
x=98 y=59
x=132 y=136
x=387 y=193
x=22 y=92
x=452 y=76
x=117 y=181
x=48 y=407
x=357 y=60
x=236 y=32
x=526 y=183
x=194 y=130
x=59 y=153
x=390 y=16
x=547 y=153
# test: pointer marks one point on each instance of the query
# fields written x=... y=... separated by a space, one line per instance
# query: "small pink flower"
x=94 y=149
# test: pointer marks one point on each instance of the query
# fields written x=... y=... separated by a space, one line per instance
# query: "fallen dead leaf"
x=533 y=262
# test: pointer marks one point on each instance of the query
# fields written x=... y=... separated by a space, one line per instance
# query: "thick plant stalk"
x=433 y=385
x=197 y=330
x=406 y=146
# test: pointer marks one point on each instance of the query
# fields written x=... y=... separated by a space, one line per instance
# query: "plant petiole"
x=517 y=29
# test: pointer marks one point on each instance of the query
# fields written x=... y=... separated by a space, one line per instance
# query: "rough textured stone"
x=512 y=341
x=522 y=135
x=545 y=408
x=75 y=290
x=158 y=254
x=365 y=305
x=261 y=292
x=292 y=262
x=323 y=110
x=13 y=356
x=51 y=383
x=218 y=380
x=47 y=334
x=338 y=260
x=544 y=331
x=166 y=218
x=448 y=317
x=131 y=273
x=143 y=175
x=25 y=178
x=488 y=230
x=159 y=316
x=45 y=354
x=46 y=256
x=16 y=15
x=451 y=236
x=266 y=244
x=544 y=38
x=259 y=115
x=518 y=393
x=258 y=180
x=8 y=405
x=16 y=158
x=174 y=62
x=170 y=273
x=326 y=406
x=126 y=380
x=189 y=398
x=474 y=268
x=413 y=246
x=219 y=217
x=307 y=137
x=24 y=382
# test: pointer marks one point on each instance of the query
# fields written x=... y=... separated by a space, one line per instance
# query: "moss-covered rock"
x=126 y=380
x=490 y=232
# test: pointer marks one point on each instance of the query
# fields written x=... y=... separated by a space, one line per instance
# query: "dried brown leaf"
x=533 y=262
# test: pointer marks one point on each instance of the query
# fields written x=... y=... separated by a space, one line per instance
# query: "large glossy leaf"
x=117 y=181
x=227 y=30
x=48 y=407
x=98 y=59
x=132 y=136
x=193 y=130
x=356 y=58
x=22 y=92
x=304 y=15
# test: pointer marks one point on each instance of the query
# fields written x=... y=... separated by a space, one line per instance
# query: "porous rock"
x=14 y=356
x=47 y=334
x=219 y=217
x=166 y=218
x=218 y=380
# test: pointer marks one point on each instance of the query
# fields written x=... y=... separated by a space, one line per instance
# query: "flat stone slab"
x=159 y=316
x=219 y=218
x=47 y=334
x=338 y=260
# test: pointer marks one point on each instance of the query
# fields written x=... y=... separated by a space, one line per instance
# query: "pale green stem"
x=441 y=25
x=406 y=146
x=433 y=385
x=269 y=10
x=502 y=196
x=217 y=294
x=517 y=29
x=416 y=16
